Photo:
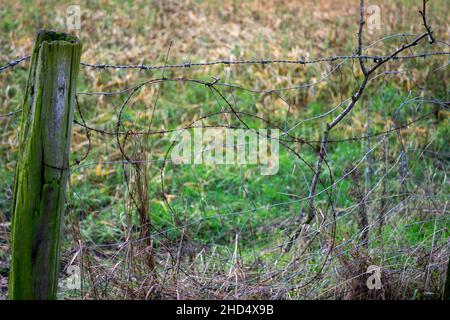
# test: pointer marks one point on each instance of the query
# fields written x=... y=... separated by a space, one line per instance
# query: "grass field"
x=219 y=231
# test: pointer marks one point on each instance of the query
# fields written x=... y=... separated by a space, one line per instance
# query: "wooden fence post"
x=42 y=167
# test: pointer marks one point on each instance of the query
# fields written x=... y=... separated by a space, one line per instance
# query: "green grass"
x=219 y=202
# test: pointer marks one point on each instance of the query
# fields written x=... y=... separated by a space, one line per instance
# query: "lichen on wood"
x=42 y=167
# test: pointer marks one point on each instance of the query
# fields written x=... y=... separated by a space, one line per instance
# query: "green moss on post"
x=42 y=167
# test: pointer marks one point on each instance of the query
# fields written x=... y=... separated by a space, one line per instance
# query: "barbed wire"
x=186 y=65
x=298 y=226
x=13 y=63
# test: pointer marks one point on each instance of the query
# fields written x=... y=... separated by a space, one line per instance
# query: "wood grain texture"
x=42 y=167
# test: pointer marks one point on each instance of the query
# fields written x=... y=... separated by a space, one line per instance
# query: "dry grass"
x=182 y=266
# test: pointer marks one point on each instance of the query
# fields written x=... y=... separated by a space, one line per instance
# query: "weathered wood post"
x=42 y=167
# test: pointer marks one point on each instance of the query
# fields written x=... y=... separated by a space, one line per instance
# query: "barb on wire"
x=13 y=63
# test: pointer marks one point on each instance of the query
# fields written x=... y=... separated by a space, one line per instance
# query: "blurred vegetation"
x=219 y=202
